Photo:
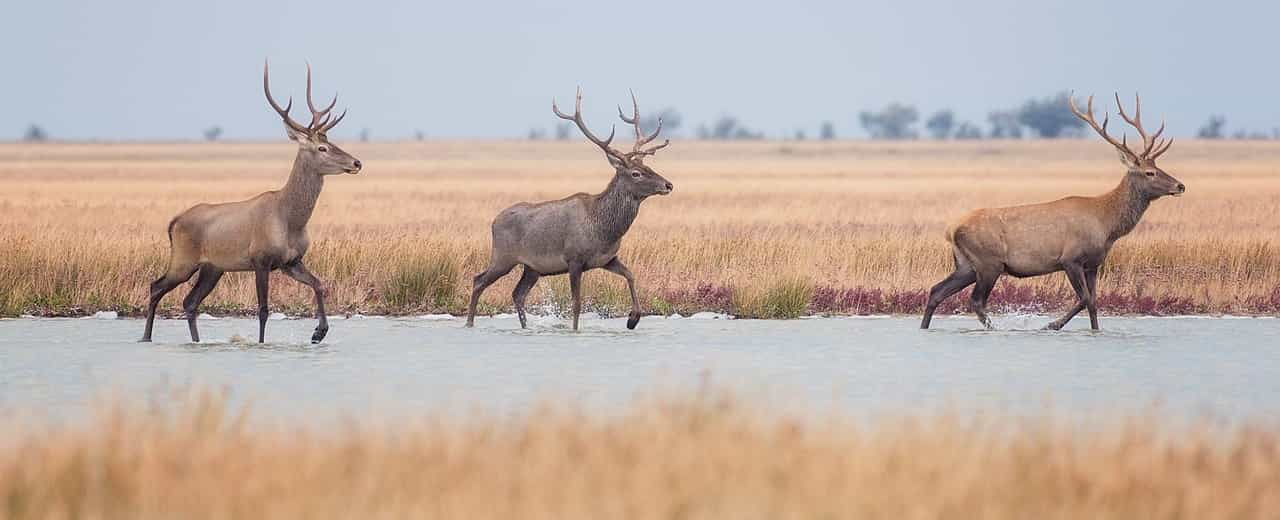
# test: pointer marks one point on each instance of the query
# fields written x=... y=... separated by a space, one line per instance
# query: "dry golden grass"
x=82 y=227
x=700 y=457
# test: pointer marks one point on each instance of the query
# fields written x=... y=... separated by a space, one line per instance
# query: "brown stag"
x=578 y=233
x=262 y=234
x=1072 y=235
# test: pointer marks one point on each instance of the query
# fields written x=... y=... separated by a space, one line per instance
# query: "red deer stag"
x=262 y=234
x=578 y=233
x=1072 y=234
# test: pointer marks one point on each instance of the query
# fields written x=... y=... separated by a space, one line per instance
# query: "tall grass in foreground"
x=703 y=456
x=751 y=229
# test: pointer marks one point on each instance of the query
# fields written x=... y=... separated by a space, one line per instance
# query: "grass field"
x=704 y=456
x=759 y=229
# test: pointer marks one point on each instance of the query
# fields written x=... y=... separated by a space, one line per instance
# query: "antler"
x=284 y=112
x=577 y=119
x=1149 y=142
x=1153 y=147
x=320 y=119
x=641 y=139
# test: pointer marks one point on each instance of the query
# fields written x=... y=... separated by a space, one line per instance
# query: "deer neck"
x=614 y=211
x=299 y=195
x=1124 y=207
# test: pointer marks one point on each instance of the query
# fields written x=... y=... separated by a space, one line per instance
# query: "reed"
x=705 y=455
x=861 y=223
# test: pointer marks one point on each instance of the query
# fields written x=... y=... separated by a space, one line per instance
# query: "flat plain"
x=757 y=229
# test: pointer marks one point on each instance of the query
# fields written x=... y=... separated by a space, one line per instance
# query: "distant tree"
x=800 y=135
x=671 y=121
x=967 y=131
x=1213 y=128
x=895 y=121
x=35 y=134
x=1049 y=117
x=828 y=131
x=726 y=128
x=1004 y=125
x=212 y=133
x=1240 y=134
x=364 y=135
x=563 y=131
x=537 y=134
x=419 y=135
x=940 y=124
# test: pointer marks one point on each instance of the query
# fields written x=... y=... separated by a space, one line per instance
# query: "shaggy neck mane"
x=614 y=211
x=1124 y=207
x=299 y=195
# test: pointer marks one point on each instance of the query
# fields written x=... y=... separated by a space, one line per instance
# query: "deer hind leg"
x=261 y=279
x=962 y=277
x=481 y=282
x=981 y=291
x=616 y=266
x=205 y=282
x=527 y=280
x=159 y=288
x=299 y=272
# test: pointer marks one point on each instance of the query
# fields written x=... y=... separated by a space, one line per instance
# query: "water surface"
x=1225 y=366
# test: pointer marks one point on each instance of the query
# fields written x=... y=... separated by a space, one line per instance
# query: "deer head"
x=324 y=157
x=1143 y=173
x=629 y=169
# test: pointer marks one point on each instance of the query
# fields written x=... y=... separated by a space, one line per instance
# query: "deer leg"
x=1091 y=285
x=978 y=300
x=1075 y=275
x=527 y=280
x=481 y=282
x=954 y=283
x=205 y=282
x=616 y=266
x=575 y=287
x=159 y=288
x=299 y=272
x=261 y=277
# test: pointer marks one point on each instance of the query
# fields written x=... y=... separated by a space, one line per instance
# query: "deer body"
x=578 y=233
x=267 y=231
x=261 y=234
x=582 y=230
x=1072 y=235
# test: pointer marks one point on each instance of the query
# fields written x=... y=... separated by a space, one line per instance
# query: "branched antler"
x=637 y=150
x=1152 y=145
x=320 y=119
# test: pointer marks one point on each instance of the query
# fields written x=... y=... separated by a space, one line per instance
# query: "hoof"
x=1052 y=326
x=144 y=340
x=632 y=321
x=319 y=335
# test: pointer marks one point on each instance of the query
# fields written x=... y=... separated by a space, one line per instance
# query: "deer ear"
x=1127 y=159
x=295 y=135
x=615 y=161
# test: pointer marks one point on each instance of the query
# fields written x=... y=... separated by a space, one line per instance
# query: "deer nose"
x=356 y=163
x=669 y=186
x=1182 y=187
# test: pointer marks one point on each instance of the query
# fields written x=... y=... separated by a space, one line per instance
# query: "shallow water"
x=1227 y=367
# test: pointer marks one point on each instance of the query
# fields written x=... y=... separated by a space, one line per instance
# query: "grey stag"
x=578 y=233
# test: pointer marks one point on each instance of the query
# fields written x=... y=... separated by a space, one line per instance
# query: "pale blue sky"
x=127 y=70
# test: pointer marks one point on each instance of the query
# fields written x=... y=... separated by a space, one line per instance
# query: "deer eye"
x=635 y=173
x=1151 y=174
x=322 y=148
